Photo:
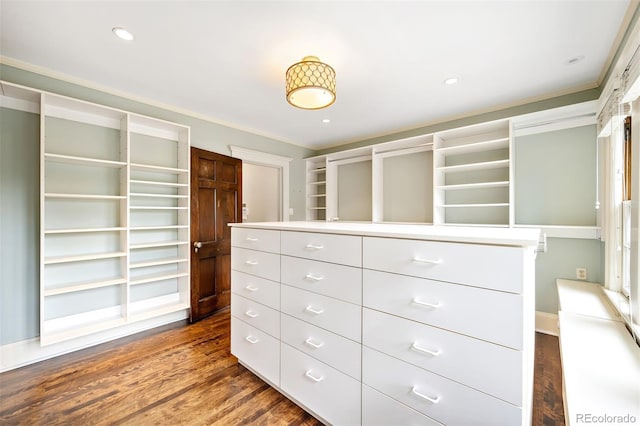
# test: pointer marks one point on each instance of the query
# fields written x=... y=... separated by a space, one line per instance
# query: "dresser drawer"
x=325 y=312
x=255 y=288
x=494 y=267
x=490 y=368
x=260 y=316
x=330 y=394
x=256 y=239
x=341 y=353
x=437 y=397
x=259 y=263
x=489 y=315
x=342 y=249
x=256 y=349
x=338 y=281
x=380 y=410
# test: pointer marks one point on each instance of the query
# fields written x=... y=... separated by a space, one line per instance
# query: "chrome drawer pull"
x=429 y=261
x=251 y=339
x=310 y=342
x=311 y=309
x=251 y=288
x=251 y=314
x=417 y=301
x=419 y=348
x=312 y=377
x=251 y=239
x=313 y=277
x=250 y=262
x=425 y=397
x=314 y=247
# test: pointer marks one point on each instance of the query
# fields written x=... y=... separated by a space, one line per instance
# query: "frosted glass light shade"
x=311 y=84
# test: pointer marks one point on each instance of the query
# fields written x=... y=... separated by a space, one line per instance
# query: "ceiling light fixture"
x=122 y=33
x=326 y=120
x=451 y=81
x=311 y=84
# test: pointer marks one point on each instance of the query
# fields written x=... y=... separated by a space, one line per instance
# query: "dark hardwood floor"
x=185 y=375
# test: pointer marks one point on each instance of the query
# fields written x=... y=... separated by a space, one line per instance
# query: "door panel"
x=216 y=194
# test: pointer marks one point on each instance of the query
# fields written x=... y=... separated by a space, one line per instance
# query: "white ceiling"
x=226 y=60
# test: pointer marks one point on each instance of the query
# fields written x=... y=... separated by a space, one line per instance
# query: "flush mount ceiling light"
x=122 y=33
x=451 y=81
x=311 y=84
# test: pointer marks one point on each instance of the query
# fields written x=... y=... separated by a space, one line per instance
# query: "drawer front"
x=325 y=312
x=259 y=316
x=490 y=368
x=255 y=288
x=489 y=315
x=494 y=267
x=256 y=349
x=341 y=353
x=441 y=399
x=332 y=395
x=342 y=249
x=380 y=410
x=256 y=239
x=259 y=263
x=338 y=281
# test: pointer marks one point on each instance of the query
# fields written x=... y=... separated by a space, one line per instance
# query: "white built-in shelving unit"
x=114 y=215
x=472 y=175
x=462 y=176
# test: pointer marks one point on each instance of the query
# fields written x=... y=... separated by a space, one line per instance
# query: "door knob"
x=197 y=245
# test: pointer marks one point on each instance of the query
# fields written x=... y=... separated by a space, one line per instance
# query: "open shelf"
x=69 y=159
x=158 y=262
x=83 y=230
x=82 y=258
x=71 y=288
x=85 y=196
x=158 y=244
x=474 y=166
x=479 y=185
x=143 y=279
x=500 y=143
x=160 y=169
x=158 y=183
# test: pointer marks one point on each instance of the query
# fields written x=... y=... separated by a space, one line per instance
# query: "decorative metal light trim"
x=311 y=84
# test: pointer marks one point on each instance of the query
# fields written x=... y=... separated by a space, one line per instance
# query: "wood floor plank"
x=185 y=375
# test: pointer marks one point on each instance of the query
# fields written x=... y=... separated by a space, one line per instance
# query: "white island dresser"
x=388 y=324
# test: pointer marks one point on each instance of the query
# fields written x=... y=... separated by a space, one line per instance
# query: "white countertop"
x=467 y=234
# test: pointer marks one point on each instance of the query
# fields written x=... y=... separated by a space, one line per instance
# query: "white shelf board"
x=150 y=195
x=157 y=228
x=85 y=161
x=318 y=183
x=318 y=170
x=317 y=195
x=157 y=244
x=158 y=183
x=157 y=169
x=56 y=336
x=476 y=205
x=85 y=196
x=157 y=262
x=156 y=208
x=144 y=279
x=317 y=208
x=72 y=288
x=479 y=185
x=158 y=311
x=475 y=147
x=82 y=258
x=83 y=230
x=498 y=164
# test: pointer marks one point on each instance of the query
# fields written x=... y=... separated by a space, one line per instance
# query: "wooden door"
x=216 y=200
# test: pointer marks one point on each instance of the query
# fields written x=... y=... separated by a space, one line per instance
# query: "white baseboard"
x=547 y=323
x=25 y=352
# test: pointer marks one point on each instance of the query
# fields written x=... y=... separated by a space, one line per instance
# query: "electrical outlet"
x=581 y=273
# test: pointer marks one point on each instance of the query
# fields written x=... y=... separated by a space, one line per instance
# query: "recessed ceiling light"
x=326 y=120
x=122 y=33
x=451 y=81
x=575 y=60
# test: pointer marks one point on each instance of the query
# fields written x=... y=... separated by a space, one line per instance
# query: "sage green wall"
x=19 y=186
x=19 y=225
